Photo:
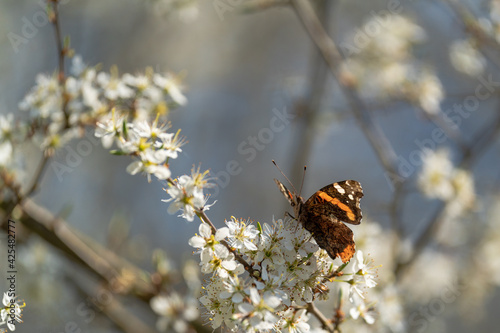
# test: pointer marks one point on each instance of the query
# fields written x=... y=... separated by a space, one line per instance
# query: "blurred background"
x=244 y=64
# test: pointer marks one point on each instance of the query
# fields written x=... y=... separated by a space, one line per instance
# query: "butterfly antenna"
x=303 y=177
x=276 y=165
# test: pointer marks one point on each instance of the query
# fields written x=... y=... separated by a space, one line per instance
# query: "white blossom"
x=362 y=310
x=113 y=86
x=430 y=92
x=364 y=268
x=170 y=84
x=150 y=163
x=258 y=315
x=109 y=128
x=434 y=180
x=466 y=58
x=174 y=311
x=294 y=321
x=11 y=312
x=243 y=235
x=170 y=143
x=185 y=196
x=441 y=180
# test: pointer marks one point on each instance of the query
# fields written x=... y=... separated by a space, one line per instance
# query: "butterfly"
x=325 y=213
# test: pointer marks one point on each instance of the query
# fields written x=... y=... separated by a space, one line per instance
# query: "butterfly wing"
x=332 y=236
x=344 y=199
x=323 y=214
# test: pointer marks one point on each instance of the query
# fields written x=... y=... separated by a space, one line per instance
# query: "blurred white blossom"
x=187 y=10
x=6 y=134
x=430 y=92
x=434 y=180
x=170 y=84
x=362 y=310
x=441 y=180
x=466 y=58
x=175 y=312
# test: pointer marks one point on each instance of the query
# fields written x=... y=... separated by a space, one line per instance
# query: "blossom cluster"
x=10 y=312
x=466 y=58
x=379 y=58
x=262 y=277
x=439 y=179
x=58 y=106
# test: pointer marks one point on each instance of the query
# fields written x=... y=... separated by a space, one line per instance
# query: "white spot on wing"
x=339 y=188
x=351 y=197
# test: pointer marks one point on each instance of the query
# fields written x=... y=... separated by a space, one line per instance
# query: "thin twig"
x=37 y=176
x=59 y=42
x=325 y=323
x=61 y=55
x=339 y=315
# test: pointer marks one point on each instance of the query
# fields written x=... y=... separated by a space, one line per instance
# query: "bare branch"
x=111 y=306
x=103 y=263
x=325 y=323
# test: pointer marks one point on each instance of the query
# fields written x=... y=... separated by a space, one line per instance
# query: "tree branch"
x=111 y=306
x=100 y=261
x=325 y=323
